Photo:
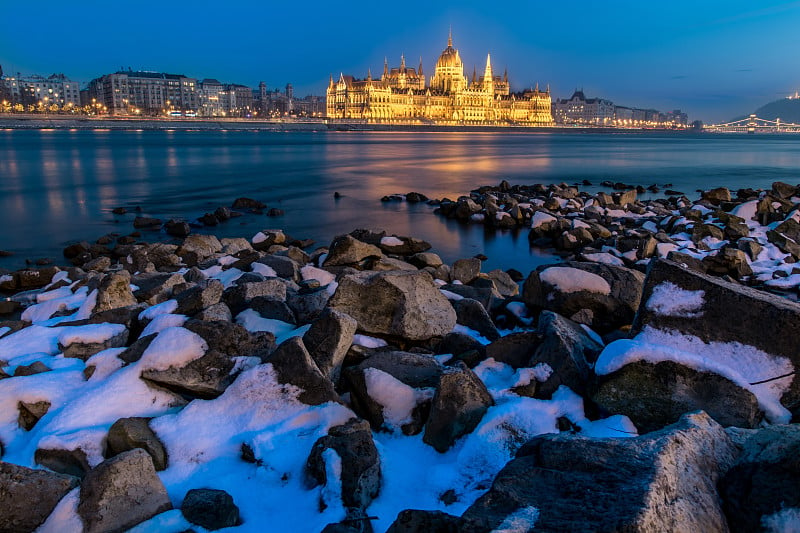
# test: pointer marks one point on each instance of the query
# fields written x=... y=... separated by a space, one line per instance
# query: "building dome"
x=450 y=56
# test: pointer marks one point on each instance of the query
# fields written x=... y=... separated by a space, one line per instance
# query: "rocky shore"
x=645 y=383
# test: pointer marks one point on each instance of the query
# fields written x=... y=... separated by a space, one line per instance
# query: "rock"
x=121 y=492
x=465 y=208
x=466 y=270
x=328 y=340
x=84 y=350
x=294 y=365
x=283 y=266
x=239 y=297
x=177 y=228
x=155 y=287
x=786 y=236
x=31 y=412
x=37 y=367
x=483 y=295
x=417 y=521
x=768 y=317
x=783 y=190
x=701 y=231
x=308 y=303
x=503 y=283
x=197 y=248
x=399 y=303
x=76 y=250
x=728 y=261
x=613 y=304
x=360 y=462
x=114 y=292
x=418 y=371
x=146 y=222
x=135 y=351
x=656 y=395
x=472 y=314
x=515 y=349
x=416 y=197
x=236 y=245
x=209 y=219
x=101 y=264
x=33 y=278
x=218 y=312
x=406 y=246
x=460 y=402
x=569 y=352
x=248 y=203
x=388 y=263
x=270 y=307
x=347 y=250
x=28 y=496
x=264 y=239
x=210 y=508
x=131 y=433
x=750 y=247
x=68 y=462
x=663 y=481
x=717 y=196
x=763 y=481
x=459 y=344
x=195 y=299
x=425 y=259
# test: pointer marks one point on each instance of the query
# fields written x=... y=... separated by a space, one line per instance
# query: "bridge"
x=754 y=124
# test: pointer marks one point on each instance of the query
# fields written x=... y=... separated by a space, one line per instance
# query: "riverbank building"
x=402 y=95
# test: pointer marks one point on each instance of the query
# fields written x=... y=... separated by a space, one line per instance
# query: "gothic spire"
x=385 y=67
x=402 y=62
x=420 y=66
x=450 y=37
x=474 y=74
x=488 y=77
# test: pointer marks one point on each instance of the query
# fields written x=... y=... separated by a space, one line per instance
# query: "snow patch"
x=159 y=309
x=89 y=334
x=397 y=399
x=391 y=241
x=520 y=521
x=568 y=279
x=173 y=347
x=668 y=299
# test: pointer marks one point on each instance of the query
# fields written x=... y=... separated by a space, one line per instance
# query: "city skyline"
x=714 y=60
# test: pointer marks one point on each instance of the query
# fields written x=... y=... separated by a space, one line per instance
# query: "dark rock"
x=121 y=492
x=515 y=349
x=197 y=248
x=399 y=303
x=610 y=311
x=409 y=246
x=308 y=302
x=783 y=190
x=34 y=278
x=484 y=295
x=459 y=343
x=28 y=496
x=347 y=250
x=466 y=270
x=275 y=212
x=416 y=197
x=31 y=412
x=361 y=464
x=328 y=340
x=268 y=237
x=717 y=196
x=130 y=433
x=417 y=521
x=472 y=314
x=135 y=351
x=270 y=307
x=155 y=287
x=114 y=291
x=197 y=298
x=239 y=297
x=37 y=367
x=248 y=203
x=84 y=350
x=210 y=508
x=205 y=378
x=283 y=266
x=68 y=462
x=664 y=481
x=764 y=479
x=146 y=222
x=223 y=213
x=294 y=365
x=177 y=228
x=460 y=402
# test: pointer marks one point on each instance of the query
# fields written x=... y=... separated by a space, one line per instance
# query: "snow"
x=737 y=362
x=397 y=399
x=391 y=241
x=253 y=322
x=226 y=277
x=28 y=340
x=89 y=334
x=50 y=295
x=159 y=309
x=105 y=363
x=41 y=312
x=451 y=295
x=323 y=276
x=368 y=342
x=4 y=330
x=788 y=282
x=332 y=491
x=169 y=522
x=258 y=237
x=520 y=521
x=604 y=258
x=162 y=322
x=568 y=279
x=747 y=211
x=265 y=270
x=540 y=217
x=64 y=518
x=668 y=299
x=173 y=347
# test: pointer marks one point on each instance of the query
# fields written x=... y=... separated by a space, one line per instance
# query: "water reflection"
x=60 y=185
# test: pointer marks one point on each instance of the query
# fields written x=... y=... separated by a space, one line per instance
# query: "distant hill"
x=787 y=109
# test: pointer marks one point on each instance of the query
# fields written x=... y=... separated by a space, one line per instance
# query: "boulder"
x=271 y=307
x=515 y=349
x=155 y=287
x=611 y=293
x=503 y=283
x=37 y=367
x=466 y=270
x=177 y=228
x=328 y=340
x=360 y=462
x=418 y=521
x=763 y=481
x=197 y=248
x=768 y=317
x=459 y=404
x=294 y=365
x=308 y=303
x=238 y=297
x=248 y=203
x=717 y=196
x=399 y=303
x=347 y=250
x=405 y=246
x=210 y=508
x=567 y=350
x=268 y=237
x=218 y=312
x=30 y=413
x=472 y=314
x=283 y=266
x=114 y=291
x=69 y=462
x=418 y=371
x=459 y=344
x=28 y=496
x=84 y=350
x=146 y=222
x=121 y=492
x=663 y=481
x=131 y=433
x=194 y=299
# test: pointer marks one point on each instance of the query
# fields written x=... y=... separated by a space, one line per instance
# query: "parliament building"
x=402 y=96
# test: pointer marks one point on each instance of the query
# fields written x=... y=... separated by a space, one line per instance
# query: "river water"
x=58 y=186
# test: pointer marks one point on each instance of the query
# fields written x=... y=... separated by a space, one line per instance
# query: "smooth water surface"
x=58 y=186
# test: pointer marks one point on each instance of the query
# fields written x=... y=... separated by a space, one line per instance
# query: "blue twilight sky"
x=712 y=58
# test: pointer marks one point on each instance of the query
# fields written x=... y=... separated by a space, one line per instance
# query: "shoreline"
x=21 y=122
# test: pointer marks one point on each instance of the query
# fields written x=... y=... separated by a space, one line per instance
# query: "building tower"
x=449 y=76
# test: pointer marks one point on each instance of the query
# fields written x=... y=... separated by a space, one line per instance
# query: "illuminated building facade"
x=401 y=95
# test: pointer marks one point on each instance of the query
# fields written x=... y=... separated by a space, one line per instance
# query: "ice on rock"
x=540 y=217
x=668 y=299
x=105 y=363
x=33 y=339
x=568 y=279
